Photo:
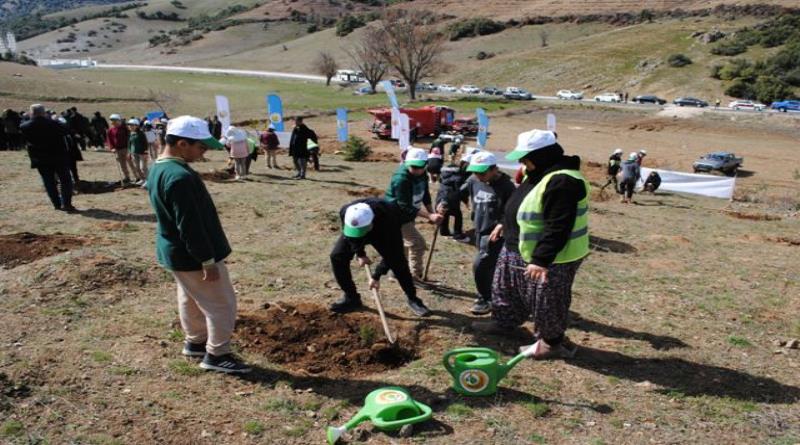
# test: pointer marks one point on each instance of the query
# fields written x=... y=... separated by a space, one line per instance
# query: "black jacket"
x=488 y=201
x=559 y=210
x=452 y=178
x=385 y=231
x=298 y=145
x=47 y=145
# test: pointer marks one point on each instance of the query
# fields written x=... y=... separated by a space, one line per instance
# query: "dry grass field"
x=680 y=311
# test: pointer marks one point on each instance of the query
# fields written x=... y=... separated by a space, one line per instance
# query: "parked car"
x=722 y=161
x=746 y=105
x=363 y=90
x=689 y=102
x=517 y=94
x=492 y=91
x=445 y=88
x=786 y=105
x=649 y=99
x=570 y=95
x=469 y=89
x=397 y=84
x=608 y=97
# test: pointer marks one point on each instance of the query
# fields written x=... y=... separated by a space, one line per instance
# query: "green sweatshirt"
x=189 y=233
x=409 y=192
x=137 y=142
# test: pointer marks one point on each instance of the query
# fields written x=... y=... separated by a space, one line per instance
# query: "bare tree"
x=543 y=36
x=366 y=56
x=409 y=44
x=326 y=65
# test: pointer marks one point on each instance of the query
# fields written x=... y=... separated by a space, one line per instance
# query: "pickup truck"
x=721 y=161
x=786 y=105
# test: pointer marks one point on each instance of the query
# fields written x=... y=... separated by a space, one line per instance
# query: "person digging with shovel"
x=377 y=222
x=546 y=238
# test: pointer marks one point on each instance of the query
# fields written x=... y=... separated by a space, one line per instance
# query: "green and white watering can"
x=389 y=409
x=477 y=371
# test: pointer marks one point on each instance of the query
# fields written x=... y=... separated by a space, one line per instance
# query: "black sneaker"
x=481 y=307
x=418 y=307
x=224 y=363
x=194 y=349
x=346 y=304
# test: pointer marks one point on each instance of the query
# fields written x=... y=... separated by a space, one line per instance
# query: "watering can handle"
x=446 y=358
x=425 y=413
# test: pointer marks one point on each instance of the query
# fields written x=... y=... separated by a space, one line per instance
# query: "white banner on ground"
x=395 y=123
x=405 y=132
x=224 y=113
x=696 y=184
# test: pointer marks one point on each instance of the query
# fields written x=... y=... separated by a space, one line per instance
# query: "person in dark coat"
x=215 y=127
x=73 y=150
x=99 y=126
x=3 y=143
x=11 y=122
x=448 y=199
x=48 y=151
x=298 y=146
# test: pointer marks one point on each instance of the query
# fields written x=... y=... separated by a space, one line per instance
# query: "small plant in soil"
x=459 y=410
x=367 y=335
x=253 y=427
x=12 y=428
x=538 y=409
x=356 y=149
x=739 y=341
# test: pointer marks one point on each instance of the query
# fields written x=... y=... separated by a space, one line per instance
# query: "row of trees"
x=407 y=43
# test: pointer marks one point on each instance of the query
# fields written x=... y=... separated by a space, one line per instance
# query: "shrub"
x=356 y=149
x=678 y=60
x=730 y=48
x=479 y=26
x=348 y=24
x=715 y=71
x=741 y=89
x=768 y=89
x=737 y=68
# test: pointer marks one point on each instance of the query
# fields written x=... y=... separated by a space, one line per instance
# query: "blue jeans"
x=300 y=166
x=55 y=178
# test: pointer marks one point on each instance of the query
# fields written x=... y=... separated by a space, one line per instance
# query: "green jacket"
x=408 y=192
x=189 y=233
x=137 y=142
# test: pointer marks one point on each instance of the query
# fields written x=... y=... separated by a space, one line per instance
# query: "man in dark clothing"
x=47 y=149
x=614 y=163
x=100 y=126
x=488 y=190
x=546 y=238
x=215 y=127
x=73 y=150
x=191 y=244
x=3 y=142
x=652 y=183
x=12 y=122
x=631 y=173
x=377 y=222
x=298 y=146
x=448 y=199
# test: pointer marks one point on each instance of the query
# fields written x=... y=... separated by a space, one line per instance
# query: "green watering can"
x=388 y=408
x=477 y=371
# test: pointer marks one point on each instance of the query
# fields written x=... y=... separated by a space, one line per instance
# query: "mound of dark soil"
x=89 y=272
x=216 y=175
x=310 y=338
x=753 y=216
x=22 y=248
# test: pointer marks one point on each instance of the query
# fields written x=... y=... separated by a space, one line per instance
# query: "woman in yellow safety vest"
x=546 y=238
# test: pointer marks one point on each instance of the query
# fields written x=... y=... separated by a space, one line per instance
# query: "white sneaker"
x=144 y=184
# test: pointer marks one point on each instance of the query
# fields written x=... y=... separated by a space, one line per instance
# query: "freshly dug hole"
x=310 y=338
x=22 y=248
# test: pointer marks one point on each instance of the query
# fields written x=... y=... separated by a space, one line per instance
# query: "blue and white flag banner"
x=224 y=113
x=483 y=127
x=275 y=111
x=395 y=123
x=389 y=88
x=341 y=124
x=405 y=132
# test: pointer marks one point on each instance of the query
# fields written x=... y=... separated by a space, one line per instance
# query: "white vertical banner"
x=395 y=123
x=551 y=122
x=404 y=138
x=224 y=113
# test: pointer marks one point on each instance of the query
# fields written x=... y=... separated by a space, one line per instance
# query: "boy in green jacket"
x=191 y=244
x=138 y=147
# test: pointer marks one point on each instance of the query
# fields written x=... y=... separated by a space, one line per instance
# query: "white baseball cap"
x=133 y=122
x=643 y=151
x=416 y=157
x=482 y=161
x=618 y=151
x=115 y=117
x=190 y=127
x=633 y=156
x=358 y=220
x=531 y=141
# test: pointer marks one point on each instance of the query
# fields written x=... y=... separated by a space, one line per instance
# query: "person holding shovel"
x=488 y=190
x=408 y=190
x=191 y=244
x=377 y=222
x=546 y=238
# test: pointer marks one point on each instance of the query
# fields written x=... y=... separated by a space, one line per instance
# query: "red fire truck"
x=427 y=121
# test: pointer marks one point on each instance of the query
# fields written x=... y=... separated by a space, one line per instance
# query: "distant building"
x=11 y=42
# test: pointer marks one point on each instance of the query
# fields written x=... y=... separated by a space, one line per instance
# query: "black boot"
x=346 y=304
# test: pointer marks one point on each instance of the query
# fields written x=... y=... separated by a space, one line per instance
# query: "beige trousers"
x=415 y=246
x=140 y=166
x=207 y=309
x=124 y=161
